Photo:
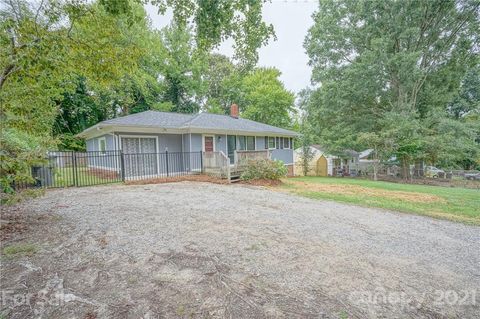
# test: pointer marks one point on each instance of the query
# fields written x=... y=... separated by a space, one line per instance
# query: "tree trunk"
x=405 y=169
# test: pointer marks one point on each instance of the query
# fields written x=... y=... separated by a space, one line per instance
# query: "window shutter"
x=266 y=142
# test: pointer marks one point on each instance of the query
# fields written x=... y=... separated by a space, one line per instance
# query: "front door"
x=231 y=144
x=208 y=142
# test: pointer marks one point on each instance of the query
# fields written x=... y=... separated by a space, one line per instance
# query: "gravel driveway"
x=193 y=250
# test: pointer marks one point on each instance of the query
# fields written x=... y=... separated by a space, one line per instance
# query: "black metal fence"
x=66 y=169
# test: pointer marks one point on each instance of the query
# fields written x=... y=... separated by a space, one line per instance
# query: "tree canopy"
x=394 y=69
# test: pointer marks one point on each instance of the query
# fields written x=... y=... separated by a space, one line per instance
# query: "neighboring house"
x=153 y=132
x=325 y=164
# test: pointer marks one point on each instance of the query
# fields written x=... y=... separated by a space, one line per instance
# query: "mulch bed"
x=263 y=182
x=189 y=178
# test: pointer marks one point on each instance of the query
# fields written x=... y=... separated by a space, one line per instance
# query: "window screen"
x=271 y=142
x=241 y=146
x=250 y=143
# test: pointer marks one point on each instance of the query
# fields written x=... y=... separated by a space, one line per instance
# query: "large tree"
x=265 y=99
x=388 y=67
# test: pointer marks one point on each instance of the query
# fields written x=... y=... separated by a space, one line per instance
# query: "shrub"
x=264 y=169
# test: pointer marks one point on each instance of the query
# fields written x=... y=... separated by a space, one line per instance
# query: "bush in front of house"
x=264 y=169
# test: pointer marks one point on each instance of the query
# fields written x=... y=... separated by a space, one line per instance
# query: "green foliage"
x=19 y=249
x=19 y=151
x=224 y=84
x=265 y=98
x=392 y=69
x=182 y=67
x=264 y=169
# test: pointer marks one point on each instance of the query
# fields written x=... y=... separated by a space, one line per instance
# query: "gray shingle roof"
x=152 y=118
x=216 y=121
x=195 y=121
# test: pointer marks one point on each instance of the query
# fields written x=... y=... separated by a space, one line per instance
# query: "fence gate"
x=67 y=169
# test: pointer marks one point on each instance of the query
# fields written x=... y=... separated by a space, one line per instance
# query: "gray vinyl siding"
x=92 y=144
x=285 y=155
x=98 y=160
x=196 y=140
x=170 y=142
x=186 y=142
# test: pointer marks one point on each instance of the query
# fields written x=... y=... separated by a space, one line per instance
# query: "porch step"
x=234 y=178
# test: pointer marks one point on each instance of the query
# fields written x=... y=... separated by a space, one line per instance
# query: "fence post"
x=122 y=166
x=74 y=171
x=166 y=161
x=201 y=162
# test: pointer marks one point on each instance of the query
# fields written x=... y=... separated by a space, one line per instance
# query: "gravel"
x=205 y=250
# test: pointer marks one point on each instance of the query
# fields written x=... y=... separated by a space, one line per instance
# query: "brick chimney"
x=234 y=111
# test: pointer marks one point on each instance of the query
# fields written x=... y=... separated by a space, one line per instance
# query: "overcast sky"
x=291 y=20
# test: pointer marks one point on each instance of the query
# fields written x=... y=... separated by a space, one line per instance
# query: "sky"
x=291 y=20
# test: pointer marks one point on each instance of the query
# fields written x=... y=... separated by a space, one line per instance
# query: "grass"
x=19 y=250
x=65 y=177
x=455 y=204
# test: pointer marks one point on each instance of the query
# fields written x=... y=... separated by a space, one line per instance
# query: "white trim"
x=203 y=141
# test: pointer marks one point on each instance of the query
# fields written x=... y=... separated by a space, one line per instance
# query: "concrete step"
x=234 y=178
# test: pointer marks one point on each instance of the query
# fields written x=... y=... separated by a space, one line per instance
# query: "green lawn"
x=84 y=177
x=456 y=204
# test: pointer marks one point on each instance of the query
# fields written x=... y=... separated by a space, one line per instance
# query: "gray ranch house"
x=154 y=143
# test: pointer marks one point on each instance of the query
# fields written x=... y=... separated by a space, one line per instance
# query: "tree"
x=265 y=98
x=181 y=68
x=223 y=81
x=44 y=48
x=388 y=67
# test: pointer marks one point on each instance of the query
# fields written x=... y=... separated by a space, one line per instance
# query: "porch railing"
x=242 y=157
x=216 y=164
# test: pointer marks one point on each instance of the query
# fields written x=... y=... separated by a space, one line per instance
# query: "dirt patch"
x=359 y=190
x=174 y=179
x=14 y=223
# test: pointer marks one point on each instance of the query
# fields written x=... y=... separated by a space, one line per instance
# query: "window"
x=250 y=143
x=277 y=143
x=271 y=142
x=286 y=142
x=241 y=143
x=102 y=145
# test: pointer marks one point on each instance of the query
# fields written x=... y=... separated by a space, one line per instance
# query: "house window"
x=102 y=145
x=241 y=143
x=286 y=142
x=277 y=143
x=271 y=142
x=250 y=143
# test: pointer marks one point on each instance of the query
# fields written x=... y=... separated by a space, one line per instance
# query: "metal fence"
x=66 y=169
